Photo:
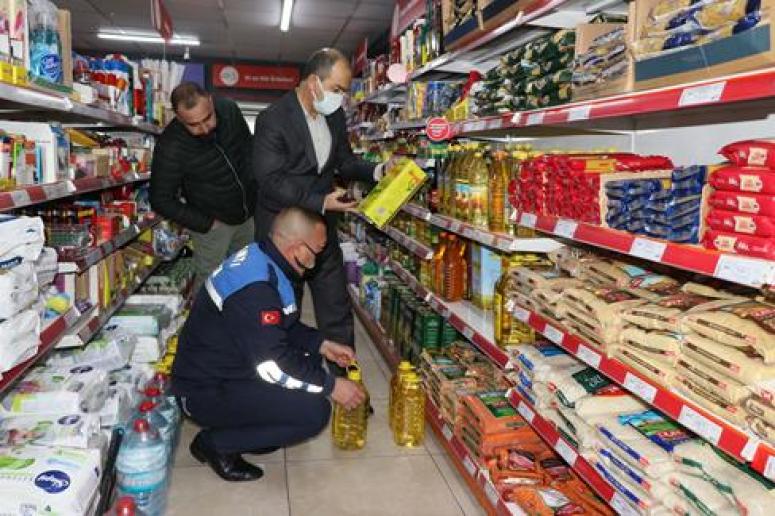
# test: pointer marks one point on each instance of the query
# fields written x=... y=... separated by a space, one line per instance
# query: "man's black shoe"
x=229 y=466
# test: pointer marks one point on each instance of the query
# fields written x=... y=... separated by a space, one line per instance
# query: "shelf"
x=96 y=254
x=478 y=479
x=475 y=324
x=721 y=93
x=744 y=270
x=49 y=338
x=55 y=106
x=498 y=241
x=724 y=435
x=37 y=194
x=570 y=454
x=375 y=331
x=387 y=135
x=359 y=125
x=405 y=126
x=392 y=92
x=418 y=248
x=89 y=325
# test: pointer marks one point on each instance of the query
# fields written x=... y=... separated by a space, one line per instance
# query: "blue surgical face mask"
x=329 y=103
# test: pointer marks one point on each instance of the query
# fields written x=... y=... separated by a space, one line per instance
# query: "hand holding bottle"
x=348 y=393
x=339 y=353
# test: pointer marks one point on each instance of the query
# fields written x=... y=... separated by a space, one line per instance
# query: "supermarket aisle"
x=316 y=478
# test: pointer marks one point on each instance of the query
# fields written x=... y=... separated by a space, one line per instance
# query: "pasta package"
x=758 y=247
x=739 y=324
x=751 y=153
x=735 y=222
x=744 y=179
x=756 y=204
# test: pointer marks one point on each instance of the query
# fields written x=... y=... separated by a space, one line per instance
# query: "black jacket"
x=285 y=165
x=213 y=175
x=254 y=335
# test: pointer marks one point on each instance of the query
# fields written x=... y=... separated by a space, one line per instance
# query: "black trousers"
x=242 y=416
x=328 y=285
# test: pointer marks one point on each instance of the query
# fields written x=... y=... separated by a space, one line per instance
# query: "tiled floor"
x=315 y=478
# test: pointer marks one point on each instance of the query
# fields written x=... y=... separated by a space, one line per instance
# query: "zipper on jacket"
x=237 y=179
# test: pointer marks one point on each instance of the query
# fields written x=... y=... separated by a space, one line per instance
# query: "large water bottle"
x=141 y=468
x=148 y=410
x=167 y=408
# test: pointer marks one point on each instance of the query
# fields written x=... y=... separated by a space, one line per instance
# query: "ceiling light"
x=285 y=19
x=191 y=41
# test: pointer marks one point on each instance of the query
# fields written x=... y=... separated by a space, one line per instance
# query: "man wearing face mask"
x=201 y=175
x=300 y=144
x=247 y=370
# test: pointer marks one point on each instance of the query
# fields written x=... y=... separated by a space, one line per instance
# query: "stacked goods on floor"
x=470 y=394
x=538 y=74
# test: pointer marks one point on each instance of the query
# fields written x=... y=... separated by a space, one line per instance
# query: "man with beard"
x=202 y=177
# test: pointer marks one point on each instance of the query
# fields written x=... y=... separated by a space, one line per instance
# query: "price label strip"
x=566 y=452
x=470 y=466
x=446 y=431
x=20 y=197
x=704 y=94
x=700 y=425
x=528 y=220
x=746 y=271
x=648 y=249
x=565 y=228
x=521 y=314
x=593 y=358
x=579 y=113
x=536 y=118
x=491 y=493
x=635 y=385
x=553 y=334
x=526 y=412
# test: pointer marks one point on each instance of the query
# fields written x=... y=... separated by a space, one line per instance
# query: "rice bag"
x=756 y=204
x=609 y=272
x=627 y=488
x=634 y=448
x=740 y=364
x=665 y=313
x=614 y=462
x=67 y=430
x=750 y=153
x=18 y=289
x=735 y=222
x=744 y=179
x=661 y=345
x=729 y=390
x=110 y=351
x=542 y=362
x=757 y=247
x=701 y=495
x=646 y=364
x=709 y=400
x=570 y=387
x=593 y=406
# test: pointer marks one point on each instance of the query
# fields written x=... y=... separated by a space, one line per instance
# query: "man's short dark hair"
x=186 y=95
x=321 y=62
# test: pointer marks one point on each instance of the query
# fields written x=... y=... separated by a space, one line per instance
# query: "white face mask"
x=329 y=103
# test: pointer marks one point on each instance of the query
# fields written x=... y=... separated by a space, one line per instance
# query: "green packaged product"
x=448 y=334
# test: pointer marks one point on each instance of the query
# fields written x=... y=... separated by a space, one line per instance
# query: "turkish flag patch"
x=270 y=317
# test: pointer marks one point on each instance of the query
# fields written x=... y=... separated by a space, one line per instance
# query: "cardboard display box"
x=585 y=34
x=489 y=15
x=750 y=50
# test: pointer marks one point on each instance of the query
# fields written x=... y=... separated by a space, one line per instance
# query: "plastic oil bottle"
x=462 y=186
x=349 y=426
x=502 y=319
x=454 y=270
x=437 y=265
x=497 y=216
x=409 y=429
x=478 y=186
x=404 y=368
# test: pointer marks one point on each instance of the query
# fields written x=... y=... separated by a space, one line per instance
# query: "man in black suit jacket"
x=299 y=145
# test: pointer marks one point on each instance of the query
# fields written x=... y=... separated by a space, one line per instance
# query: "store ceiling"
x=239 y=29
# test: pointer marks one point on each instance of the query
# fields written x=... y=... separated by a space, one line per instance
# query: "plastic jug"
x=168 y=409
x=148 y=410
x=404 y=367
x=141 y=468
x=126 y=506
x=409 y=427
x=349 y=426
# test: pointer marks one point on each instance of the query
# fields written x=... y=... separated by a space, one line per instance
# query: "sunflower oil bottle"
x=478 y=190
x=349 y=426
x=409 y=429
x=404 y=368
x=463 y=185
x=437 y=263
x=498 y=214
x=447 y=180
x=454 y=286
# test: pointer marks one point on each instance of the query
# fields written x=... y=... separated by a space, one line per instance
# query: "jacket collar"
x=268 y=247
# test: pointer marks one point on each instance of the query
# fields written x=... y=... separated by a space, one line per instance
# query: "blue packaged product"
x=685 y=234
x=686 y=188
x=698 y=172
x=692 y=217
x=675 y=205
x=635 y=226
x=630 y=205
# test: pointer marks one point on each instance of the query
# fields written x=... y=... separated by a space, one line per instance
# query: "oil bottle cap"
x=405 y=365
x=354 y=372
x=147 y=406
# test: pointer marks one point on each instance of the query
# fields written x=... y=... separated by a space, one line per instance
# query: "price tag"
x=535 y=118
x=526 y=412
x=579 y=113
x=70 y=187
x=468 y=333
x=20 y=197
x=470 y=466
x=565 y=228
x=491 y=493
x=510 y=304
x=454 y=226
x=648 y=249
x=620 y=505
x=566 y=452
x=513 y=216
x=700 y=425
x=635 y=385
x=749 y=450
x=553 y=334
x=514 y=509
x=516 y=118
x=769 y=468
x=705 y=94
x=528 y=220
x=592 y=358
x=70 y=317
x=747 y=271
x=521 y=314
x=55 y=191
x=428 y=297
x=446 y=431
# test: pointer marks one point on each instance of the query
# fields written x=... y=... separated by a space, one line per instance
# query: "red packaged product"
x=744 y=179
x=751 y=153
x=759 y=247
x=736 y=222
x=757 y=204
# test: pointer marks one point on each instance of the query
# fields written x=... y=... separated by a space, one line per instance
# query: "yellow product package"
x=394 y=190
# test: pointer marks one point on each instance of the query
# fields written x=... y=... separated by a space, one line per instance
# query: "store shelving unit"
x=35 y=194
x=726 y=436
x=498 y=241
x=416 y=247
x=375 y=331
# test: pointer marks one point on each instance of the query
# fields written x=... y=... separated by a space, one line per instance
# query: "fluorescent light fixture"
x=189 y=41
x=285 y=19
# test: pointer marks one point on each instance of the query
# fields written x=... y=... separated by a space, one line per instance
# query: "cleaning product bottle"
x=349 y=426
x=404 y=368
x=409 y=429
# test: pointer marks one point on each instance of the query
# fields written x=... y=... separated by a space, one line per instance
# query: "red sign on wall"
x=161 y=19
x=255 y=77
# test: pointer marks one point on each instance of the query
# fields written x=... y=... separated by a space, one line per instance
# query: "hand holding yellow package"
x=395 y=189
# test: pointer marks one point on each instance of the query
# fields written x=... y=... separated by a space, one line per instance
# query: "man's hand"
x=342 y=355
x=332 y=202
x=348 y=394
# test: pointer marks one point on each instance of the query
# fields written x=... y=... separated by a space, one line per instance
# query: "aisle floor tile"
x=409 y=486
x=467 y=501
x=379 y=442
x=374 y=378
x=198 y=491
